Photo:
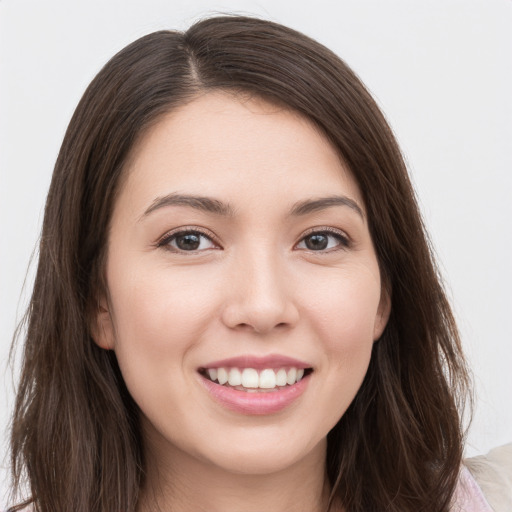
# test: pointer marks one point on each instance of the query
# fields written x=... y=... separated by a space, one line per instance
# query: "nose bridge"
x=264 y=279
x=260 y=298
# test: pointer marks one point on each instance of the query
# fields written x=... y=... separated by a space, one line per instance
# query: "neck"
x=182 y=483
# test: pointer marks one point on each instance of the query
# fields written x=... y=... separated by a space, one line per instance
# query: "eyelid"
x=164 y=240
x=344 y=239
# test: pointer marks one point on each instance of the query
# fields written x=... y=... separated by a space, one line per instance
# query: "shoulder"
x=17 y=508
x=493 y=474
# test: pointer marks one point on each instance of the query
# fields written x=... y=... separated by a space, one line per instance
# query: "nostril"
x=259 y=316
x=243 y=326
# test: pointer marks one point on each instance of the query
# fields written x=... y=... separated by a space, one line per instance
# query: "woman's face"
x=239 y=249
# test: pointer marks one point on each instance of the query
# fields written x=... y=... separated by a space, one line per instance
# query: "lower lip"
x=257 y=403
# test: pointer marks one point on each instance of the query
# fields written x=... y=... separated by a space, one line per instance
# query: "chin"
x=264 y=457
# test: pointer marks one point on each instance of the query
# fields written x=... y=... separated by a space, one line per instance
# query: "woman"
x=236 y=307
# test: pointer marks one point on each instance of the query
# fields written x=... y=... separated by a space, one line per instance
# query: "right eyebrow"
x=322 y=203
x=203 y=203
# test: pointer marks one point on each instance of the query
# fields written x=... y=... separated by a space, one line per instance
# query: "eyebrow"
x=322 y=203
x=206 y=204
x=211 y=205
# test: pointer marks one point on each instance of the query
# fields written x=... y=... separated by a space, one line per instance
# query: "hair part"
x=75 y=431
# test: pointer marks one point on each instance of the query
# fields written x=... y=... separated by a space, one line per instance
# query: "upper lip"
x=257 y=362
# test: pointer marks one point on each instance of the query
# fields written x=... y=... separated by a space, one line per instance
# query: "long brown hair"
x=75 y=430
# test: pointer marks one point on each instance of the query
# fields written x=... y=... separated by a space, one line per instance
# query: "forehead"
x=221 y=143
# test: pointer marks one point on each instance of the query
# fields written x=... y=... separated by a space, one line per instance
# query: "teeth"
x=234 y=377
x=291 y=376
x=222 y=375
x=267 y=379
x=281 y=377
x=249 y=379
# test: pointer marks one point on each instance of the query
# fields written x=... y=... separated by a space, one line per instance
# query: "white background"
x=440 y=69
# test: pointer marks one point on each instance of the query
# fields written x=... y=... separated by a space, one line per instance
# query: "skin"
x=253 y=286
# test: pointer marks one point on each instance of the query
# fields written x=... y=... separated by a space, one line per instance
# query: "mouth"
x=256 y=385
x=253 y=380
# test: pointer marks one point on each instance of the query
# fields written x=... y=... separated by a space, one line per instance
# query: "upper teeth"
x=250 y=378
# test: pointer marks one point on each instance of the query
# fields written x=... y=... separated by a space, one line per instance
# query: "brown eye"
x=323 y=241
x=317 y=242
x=188 y=241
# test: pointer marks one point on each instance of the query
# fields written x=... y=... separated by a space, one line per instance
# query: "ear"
x=102 y=328
x=383 y=312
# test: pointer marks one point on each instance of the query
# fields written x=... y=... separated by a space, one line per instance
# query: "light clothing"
x=493 y=474
x=468 y=496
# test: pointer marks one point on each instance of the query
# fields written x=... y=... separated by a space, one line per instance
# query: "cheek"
x=343 y=316
x=154 y=306
x=159 y=317
x=345 y=308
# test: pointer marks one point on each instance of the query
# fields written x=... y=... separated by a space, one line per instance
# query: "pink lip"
x=258 y=403
x=258 y=362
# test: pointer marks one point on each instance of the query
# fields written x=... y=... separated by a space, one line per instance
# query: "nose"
x=260 y=298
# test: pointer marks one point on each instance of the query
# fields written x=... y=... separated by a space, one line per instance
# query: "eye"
x=325 y=240
x=187 y=241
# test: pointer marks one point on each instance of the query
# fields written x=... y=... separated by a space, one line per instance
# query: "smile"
x=256 y=385
x=253 y=380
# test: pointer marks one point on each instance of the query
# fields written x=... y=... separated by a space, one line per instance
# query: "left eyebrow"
x=322 y=203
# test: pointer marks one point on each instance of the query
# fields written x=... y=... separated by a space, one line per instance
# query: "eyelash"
x=343 y=241
x=166 y=240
